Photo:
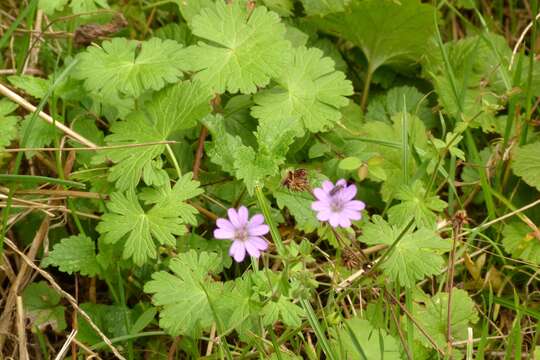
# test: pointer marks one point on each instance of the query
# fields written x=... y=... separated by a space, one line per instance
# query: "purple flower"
x=335 y=204
x=244 y=232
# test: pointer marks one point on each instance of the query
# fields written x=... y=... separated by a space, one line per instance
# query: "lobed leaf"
x=309 y=89
x=74 y=254
x=243 y=50
x=117 y=68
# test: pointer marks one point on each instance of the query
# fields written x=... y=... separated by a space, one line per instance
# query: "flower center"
x=336 y=205
x=241 y=234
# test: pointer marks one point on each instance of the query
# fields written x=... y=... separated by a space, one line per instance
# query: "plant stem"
x=367 y=83
x=173 y=160
x=265 y=208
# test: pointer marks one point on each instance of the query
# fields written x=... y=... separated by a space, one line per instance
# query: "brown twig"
x=62 y=353
x=199 y=154
x=400 y=333
x=23 y=276
x=21 y=330
x=172 y=350
x=205 y=211
x=70 y=193
x=418 y=326
x=4 y=90
x=96 y=148
x=67 y=296
x=32 y=58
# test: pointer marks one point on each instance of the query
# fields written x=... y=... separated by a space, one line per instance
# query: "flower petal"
x=225 y=224
x=258 y=230
x=320 y=194
x=352 y=214
x=237 y=251
x=233 y=217
x=341 y=182
x=324 y=215
x=355 y=205
x=258 y=242
x=221 y=233
x=320 y=205
x=327 y=186
x=344 y=222
x=334 y=219
x=257 y=219
x=243 y=215
x=348 y=193
x=251 y=249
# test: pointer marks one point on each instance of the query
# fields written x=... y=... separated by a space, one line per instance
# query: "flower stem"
x=173 y=160
x=265 y=208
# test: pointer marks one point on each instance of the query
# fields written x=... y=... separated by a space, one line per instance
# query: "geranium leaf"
x=185 y=294
x=388 y=32
x=308 y=88
x=138 y=228
x=244 y=50
x=434 y=317
x=117 y=69
x=414 y=257
x=174 y=108
x=414 y=202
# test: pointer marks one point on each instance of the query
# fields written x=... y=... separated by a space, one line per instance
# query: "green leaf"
x=244 y=50
x=32 y=85
x=324 y=7
x=8 y=123
x=388 y=32
x=526 y=164
x=86 y=6
x=385 y=144
x=143 y=320
x=476 y=70
x=519 y=240
x=414 y=257
x=50 y=6
x=396 y=100
x=175 y=198
x=177 y=32
x=358 y=339
x=111 y=319
x=184 y=295
x=237 y=306
x=308 y=88
x=174 y=108
x=243 y=161
x=415 y=203
x=299 y=204
x=433 y=317
x=277 y=298
x=350 y=163
x=41 y=303
x=118 y=68
x=190 y=8
x=42 y=134
x=282 y=309
x=282 y=7
x=74 y=254
x=139 y=229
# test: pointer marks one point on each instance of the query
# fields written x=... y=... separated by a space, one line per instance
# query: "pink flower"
x=245 y=233
x=335 y=204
